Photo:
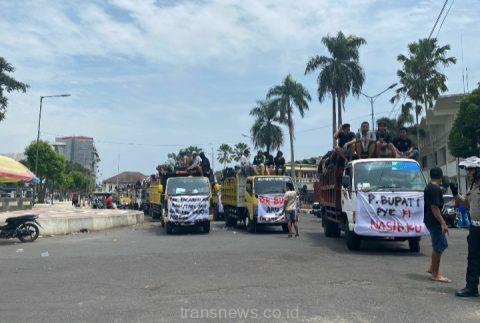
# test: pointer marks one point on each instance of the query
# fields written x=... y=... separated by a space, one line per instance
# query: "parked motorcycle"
x=25 y=228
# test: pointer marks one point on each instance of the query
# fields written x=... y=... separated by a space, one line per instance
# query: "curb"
x=60 y=226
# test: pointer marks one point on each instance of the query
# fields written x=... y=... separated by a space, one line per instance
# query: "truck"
x=373 y=199
x=155 y=191
x=254 y=200
x=187 y=202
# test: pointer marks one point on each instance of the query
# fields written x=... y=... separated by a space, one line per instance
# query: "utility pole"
x=373 y=98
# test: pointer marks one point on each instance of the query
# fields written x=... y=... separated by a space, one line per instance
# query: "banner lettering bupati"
x=270 y=208
x=390 y=214
x=188 y=208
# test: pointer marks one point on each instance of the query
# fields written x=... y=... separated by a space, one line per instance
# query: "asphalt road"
x=141 y=274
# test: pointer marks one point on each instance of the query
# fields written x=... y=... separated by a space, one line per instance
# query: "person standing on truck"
x=259 y=163
x=435 y=223
x=245 y=165
x=290 y=209
x=365 y=146
x=205 y=164
x=196 y=166
x=404 y=145
x=345 y=142
x=279 y=162
x=472 y=200
x=384 y=146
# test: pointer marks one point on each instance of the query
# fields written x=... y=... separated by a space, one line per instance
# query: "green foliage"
x=50 y=163
x=7 y=85
x=340 y=73
x=224 y=154
x=265 y=132
x=464 y=138
x=238 y=150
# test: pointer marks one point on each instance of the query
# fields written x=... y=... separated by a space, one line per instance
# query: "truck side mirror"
x=346 y=181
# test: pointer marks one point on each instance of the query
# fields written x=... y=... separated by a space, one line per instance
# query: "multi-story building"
x=433 y=147
x=77 y=149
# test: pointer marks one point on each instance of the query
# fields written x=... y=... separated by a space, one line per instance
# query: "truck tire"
x=332 y=230
x=414 y=245
x=250 y=224
x=352 y=239
x=206 y=227
x=168 y=228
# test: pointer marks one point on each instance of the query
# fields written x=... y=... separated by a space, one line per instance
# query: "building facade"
x=77 y=149
x=434 y=150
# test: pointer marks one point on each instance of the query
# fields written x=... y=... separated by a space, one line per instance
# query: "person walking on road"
x=290 y=207
x=472 y=200
x=435 y=223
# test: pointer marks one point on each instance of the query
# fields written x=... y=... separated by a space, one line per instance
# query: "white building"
x=434 y=146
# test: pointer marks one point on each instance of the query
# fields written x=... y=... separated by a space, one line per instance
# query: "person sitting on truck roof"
x=245 y=165
x=365 y=146
x=196 y=166
x=207 y=170
x=269 y=163
x=404 y=145
x=279 y=162
x=259 y=163
x=384 y=146
x=345 y=142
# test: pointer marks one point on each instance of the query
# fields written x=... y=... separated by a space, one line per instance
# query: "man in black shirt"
x=403 y=144
x=279 y=162
x=435 y=223
x=269 y=163
x=259 y=163
x=345 y=141
x=384 y=144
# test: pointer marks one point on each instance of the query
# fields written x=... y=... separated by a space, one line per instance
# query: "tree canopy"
x=7 y=85
x=265 y=131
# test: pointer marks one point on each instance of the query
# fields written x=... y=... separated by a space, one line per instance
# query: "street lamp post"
x=38 y=131
x=373 y=98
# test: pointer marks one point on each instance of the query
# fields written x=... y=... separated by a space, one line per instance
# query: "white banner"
x=188 y=208
x=390 y=214
x=270 y=208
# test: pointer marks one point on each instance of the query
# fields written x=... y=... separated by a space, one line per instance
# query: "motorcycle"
x=25 y=228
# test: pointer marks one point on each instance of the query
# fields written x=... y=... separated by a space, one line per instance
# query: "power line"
x=438 y=18
x=444 y=17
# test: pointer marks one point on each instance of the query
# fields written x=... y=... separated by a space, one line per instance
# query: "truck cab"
x=187 y=202
x=379 y=198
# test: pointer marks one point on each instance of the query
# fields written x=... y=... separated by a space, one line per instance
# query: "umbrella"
x=12 y=171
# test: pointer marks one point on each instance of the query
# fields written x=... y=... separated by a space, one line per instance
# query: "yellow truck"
x=155 y=191
x=188 y=202
x=255 y=200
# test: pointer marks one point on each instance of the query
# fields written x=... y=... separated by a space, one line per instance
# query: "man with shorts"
x=290 y=207
x=346 y=140
x=435 y=223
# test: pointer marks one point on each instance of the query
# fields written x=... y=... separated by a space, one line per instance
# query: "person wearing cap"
x=259 y=163
x=472 y=201
x=433 y=219
x=346 y=140
x=384 y=146
x=196 y=166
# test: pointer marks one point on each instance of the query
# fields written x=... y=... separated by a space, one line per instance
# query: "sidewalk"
x=63 y=218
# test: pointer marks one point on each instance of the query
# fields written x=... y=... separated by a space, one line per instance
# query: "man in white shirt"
x=196 y=166
x=245 y=164
x=290 y=207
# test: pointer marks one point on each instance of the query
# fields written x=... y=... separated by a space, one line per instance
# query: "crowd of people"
x=263 y=164
x=369 y=144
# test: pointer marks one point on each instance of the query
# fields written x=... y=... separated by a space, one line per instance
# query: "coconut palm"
x=285 y=97
x=420 y=79
x=238 y=150
x=224 y=154
x=265 y=133
x=340 y=73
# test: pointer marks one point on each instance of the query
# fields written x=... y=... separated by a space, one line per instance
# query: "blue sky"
x=146 y=76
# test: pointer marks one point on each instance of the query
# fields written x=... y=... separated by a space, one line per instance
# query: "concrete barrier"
x=58 y=226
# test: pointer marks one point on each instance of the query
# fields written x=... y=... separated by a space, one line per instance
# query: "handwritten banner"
x=390 y=214
x=188 y=208
x=270 y=208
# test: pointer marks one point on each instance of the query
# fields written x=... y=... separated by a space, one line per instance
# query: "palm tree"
x=264 y=131
x=284 y=98
x=238 y=150
x=224 y=154
x=419 y=77
x=340 y=74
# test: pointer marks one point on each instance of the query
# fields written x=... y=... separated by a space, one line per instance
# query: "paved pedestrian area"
x=140 y=274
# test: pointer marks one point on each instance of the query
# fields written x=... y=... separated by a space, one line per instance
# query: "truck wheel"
x=249 y=224
x=169 y=228
x=332 y=230
x=206 y=227
x=285 y=228
x=353 y=240
x=414 y=244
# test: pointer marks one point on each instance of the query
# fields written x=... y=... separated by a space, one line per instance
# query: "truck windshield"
x=271 y=185
x=188 y=186
x=388 y=175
